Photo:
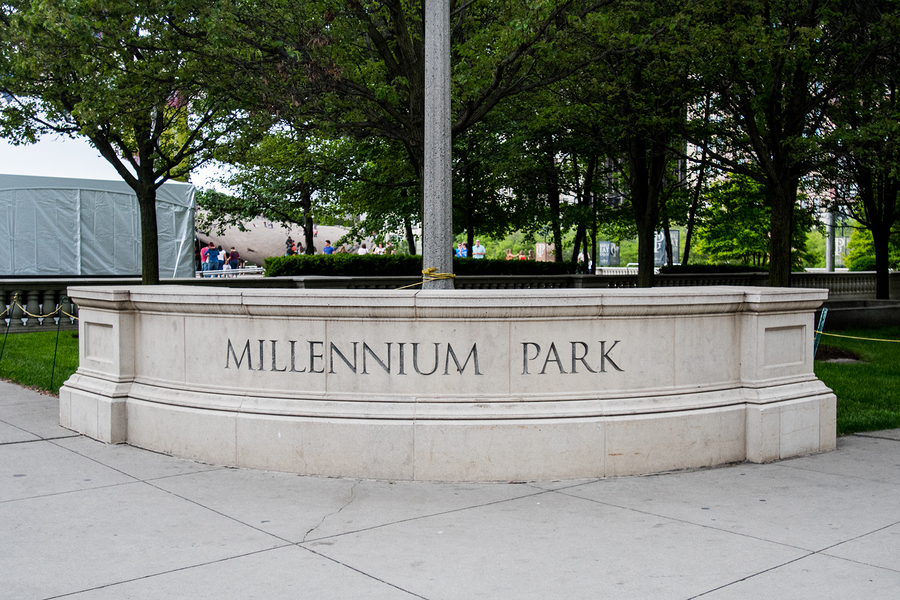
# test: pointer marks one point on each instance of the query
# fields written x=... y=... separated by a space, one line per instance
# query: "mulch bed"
x=831 y=353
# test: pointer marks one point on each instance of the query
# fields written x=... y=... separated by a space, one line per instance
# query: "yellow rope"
x=429 y=274
x=15 y=302
x=852 y=337
x=28 y=314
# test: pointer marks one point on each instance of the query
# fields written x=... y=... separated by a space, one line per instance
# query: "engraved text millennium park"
x=407 y=358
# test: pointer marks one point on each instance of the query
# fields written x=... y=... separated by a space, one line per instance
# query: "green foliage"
x=28 y=359
x=133 y=78
x=400 y=265
x=734 y=224
x=861 y=255
x=344 y=265
x=701 y=269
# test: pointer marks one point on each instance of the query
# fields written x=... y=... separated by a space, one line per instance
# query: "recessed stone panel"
x=785 y=346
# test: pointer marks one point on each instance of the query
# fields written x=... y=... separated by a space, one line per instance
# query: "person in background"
x=478 y=250
x=328 y=249
x=531 y=255
x=204 y=258
x=291 y=250
x=220 y=259
x=234 y=258
x=362 y=250
x=509 y=254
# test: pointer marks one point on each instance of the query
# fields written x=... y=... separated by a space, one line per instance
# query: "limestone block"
x=665 y=442
x=330 y=447
x=509 y=451
x=204 y=435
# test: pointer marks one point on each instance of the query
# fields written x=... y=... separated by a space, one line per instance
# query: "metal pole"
x=437 y=226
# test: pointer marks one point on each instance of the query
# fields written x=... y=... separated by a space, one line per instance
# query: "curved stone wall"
x=452 y=385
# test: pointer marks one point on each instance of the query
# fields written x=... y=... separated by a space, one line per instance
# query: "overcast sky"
x=55 y=156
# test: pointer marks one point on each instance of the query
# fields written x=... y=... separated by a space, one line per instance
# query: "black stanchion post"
x=56 y=348
x=8 y=323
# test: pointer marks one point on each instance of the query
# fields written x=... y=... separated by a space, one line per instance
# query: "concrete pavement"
x=88 y=521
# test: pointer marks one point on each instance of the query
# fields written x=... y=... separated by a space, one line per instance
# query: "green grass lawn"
x=868 y=393
x=27 y=358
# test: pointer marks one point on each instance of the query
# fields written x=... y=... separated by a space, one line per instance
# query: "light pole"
x=437 y=226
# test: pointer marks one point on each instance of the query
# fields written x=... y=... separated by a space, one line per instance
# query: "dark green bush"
x=399 y=265
x=707 y=269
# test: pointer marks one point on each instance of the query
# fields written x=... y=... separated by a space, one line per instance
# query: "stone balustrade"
x=48 y=296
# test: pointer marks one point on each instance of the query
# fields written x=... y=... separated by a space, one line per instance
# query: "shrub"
x=705 y=269
x=400 y=265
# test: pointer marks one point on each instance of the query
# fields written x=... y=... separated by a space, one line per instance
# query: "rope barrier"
x=853 y=337
x=430 y=274
x=15 y=302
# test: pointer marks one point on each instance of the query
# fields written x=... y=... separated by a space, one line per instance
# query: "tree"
x=358 y=68
x=772 y=68
x=130 y=77
x=866 y=140
x=734 y=224
x=289 y=177
x=640 y=90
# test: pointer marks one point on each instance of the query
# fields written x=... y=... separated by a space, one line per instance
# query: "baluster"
x=49 y=305
x=33 y=306
x=17 y=301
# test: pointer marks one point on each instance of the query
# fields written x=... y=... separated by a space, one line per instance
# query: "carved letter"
x=525 y=358
x=450 y=353
x=293 y=356
x=575 y=356
x=402 y=372
x=555 y=359
x=604 y=356
x=387 y=368
x=313 y=356
x=274 y=368
x=237 y=361
x=343 y=358
x=416 y=358
x=261 y=344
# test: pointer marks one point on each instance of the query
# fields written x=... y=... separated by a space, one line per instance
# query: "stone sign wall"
x=452 y=385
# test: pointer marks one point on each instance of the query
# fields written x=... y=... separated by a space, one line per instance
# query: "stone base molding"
x=443 y=385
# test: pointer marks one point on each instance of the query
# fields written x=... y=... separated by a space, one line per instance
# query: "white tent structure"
x=58 y=227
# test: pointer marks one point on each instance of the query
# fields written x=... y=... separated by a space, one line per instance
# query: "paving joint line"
x=40 y=439
x=428 y=516
x=686 y=522
x=363 y=573
x=160 y=573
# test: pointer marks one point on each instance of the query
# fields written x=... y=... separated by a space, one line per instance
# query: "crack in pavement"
x=337 y=512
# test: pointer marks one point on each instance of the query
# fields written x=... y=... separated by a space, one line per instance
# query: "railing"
x=36 y=305
x=229 y=273
x=46 y=298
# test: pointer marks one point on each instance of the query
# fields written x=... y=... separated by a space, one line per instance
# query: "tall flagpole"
x=437 y=243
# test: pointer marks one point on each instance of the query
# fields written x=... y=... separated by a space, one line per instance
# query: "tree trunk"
x=410 y=238
x=306 y=206
x=782 y=198
x=149 y=236
x=645 y=178
x=553 y=200
x=881 y=237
